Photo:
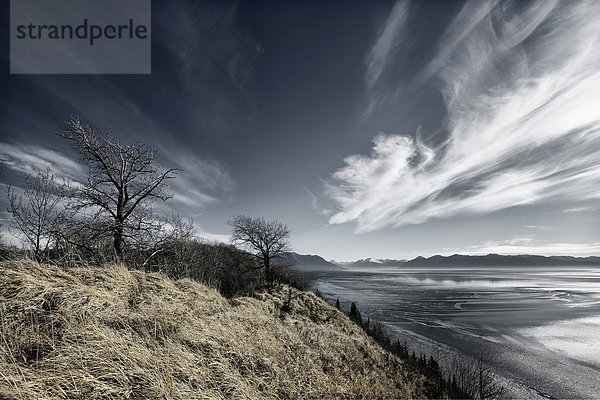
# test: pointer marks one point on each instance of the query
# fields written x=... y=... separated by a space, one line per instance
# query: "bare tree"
x=265 y=240
x=37 y=213
x=174 y=239
x=122 y=181
x=85 y=239
x=474 y=378
x=487 y=385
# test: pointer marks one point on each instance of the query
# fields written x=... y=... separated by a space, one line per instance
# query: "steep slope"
x=114 y=333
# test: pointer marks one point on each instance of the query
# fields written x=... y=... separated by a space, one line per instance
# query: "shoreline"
x=444 y=353
x=533 y=358
x=531 y=371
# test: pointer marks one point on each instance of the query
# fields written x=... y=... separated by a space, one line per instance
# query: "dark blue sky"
x=373 y=129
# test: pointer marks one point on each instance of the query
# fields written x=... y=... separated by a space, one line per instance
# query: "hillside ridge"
x=110 y=332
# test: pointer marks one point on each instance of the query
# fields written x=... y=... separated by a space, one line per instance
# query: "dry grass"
x=113 y=333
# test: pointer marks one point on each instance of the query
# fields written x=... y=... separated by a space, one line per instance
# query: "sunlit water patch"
x=577 y=338
x=531 y=317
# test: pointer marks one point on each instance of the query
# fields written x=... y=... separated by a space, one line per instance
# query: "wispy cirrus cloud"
x=541 y=227
x=214 y=60
x=516 y=246
x=471 y=15
x=521 y=88
x=576 y=210
x=386 y=47
x=32 y=160
x=200 y=182
x=314 y=202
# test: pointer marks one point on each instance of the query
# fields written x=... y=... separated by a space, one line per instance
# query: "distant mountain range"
x=305 y=261
x=496 y=259
x=377 y=262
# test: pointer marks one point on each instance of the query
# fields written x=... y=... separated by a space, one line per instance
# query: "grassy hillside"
x=114 y=333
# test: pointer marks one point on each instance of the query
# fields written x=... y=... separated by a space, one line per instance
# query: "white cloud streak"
x=205 y=42
x=541 y=227
x=576 y=210
x=314 y=202
x=511 y=247
x=387 y=45
x=472 y=13
x=522 y=118
x=201 y=181
x=33 y=159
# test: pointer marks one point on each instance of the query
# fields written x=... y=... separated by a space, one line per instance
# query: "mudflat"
x=541 y=325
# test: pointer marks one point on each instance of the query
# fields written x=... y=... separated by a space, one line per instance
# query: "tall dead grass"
x=112 y=333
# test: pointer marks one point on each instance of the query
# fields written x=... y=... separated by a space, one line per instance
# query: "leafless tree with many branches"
x=37 y=213
x=122 y=181
x=265 y=240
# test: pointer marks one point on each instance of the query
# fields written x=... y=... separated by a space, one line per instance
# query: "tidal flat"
x=540 y=325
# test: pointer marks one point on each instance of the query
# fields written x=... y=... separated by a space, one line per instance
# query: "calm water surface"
x=542 y=324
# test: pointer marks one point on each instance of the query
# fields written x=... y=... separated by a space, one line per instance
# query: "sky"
x=372 y=129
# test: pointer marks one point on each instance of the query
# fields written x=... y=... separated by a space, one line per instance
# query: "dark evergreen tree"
x=354 y=315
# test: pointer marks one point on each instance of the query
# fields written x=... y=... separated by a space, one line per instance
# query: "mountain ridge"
x=313 y=260
x=304 y=260
x=507 y=260
x=377 y=262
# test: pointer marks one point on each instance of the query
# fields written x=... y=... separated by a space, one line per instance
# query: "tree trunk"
x=118 y=241
x=268 y=276
x=36 y=251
